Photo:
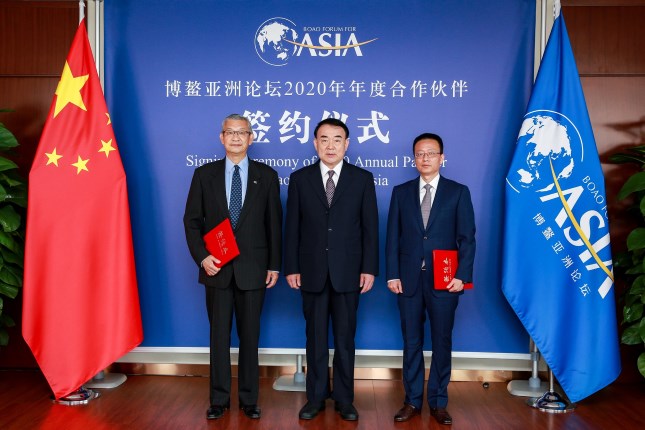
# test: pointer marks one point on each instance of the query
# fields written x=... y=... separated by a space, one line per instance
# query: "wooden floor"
x=180 y=402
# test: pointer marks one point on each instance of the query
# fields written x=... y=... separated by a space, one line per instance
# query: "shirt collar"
x=244 y=164
x=434 y=182
x=325 y=170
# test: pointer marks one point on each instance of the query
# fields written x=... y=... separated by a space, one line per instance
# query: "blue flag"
x=558 y=272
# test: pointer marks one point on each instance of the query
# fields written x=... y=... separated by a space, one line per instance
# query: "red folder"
x=220 y=242
x=445 y=263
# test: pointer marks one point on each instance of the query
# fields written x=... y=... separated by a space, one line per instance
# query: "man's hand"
x=456 y=285
x=367 y=281
x=209 y=264
x=395 y=286
x=272 y=278
x=294 y=281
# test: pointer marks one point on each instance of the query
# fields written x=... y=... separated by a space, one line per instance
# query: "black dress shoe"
x=252 y=411
x=406 y=412
x=310 y=410
x=216 y=411
x=441 y=415
x=347 y=411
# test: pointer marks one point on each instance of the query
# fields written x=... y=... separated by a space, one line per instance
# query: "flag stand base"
x=551 y=402
x=527 y=388
x=82 y=396
x=290 y=383
x=295 y=382
x=103 y=380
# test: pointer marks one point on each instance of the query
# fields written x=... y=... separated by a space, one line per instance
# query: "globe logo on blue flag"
x=551 y=141
x=272 y=41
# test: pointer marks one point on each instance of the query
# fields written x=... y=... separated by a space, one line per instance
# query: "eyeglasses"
x=239 y=133
x=431 y=154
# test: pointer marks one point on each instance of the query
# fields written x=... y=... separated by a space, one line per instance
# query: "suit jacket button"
x=425 y=237
x=329 y=229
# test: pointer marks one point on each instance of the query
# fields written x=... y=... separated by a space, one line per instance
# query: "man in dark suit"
x=331 y=256
x=248 y=192
x=427 y=213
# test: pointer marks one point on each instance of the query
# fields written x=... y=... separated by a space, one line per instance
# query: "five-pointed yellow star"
x=69 y=90
x=53 y=157
x=108 y=117
x=81 y=165
x=107 y=147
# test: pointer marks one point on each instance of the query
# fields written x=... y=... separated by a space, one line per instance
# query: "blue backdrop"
x=390 y=69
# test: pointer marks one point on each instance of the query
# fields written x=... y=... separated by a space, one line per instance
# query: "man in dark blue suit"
x=331 y=256
x=427 y=213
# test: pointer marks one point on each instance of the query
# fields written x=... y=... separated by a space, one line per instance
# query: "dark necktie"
x=330 y=187
x=426 y=204
x=235 y=205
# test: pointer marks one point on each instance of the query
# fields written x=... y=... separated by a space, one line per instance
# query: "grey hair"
x=237 y=117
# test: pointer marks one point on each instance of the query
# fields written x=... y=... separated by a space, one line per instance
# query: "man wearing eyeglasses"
x=428 y=213
x=248 y=193
x=331 y=256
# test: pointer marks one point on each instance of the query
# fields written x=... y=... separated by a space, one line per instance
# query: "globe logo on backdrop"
x=550 y=139
x=271 y=41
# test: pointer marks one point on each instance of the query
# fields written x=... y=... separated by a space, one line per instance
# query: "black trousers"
x=342 y=308
x=221 y=303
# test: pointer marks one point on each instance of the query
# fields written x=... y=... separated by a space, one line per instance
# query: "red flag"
x=81 y=304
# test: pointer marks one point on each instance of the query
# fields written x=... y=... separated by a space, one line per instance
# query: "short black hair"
x=425 y=136
x=332 y=121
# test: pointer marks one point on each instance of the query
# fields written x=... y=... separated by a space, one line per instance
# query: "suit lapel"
x=315 y=180
x=218 y=178
x=252 y=188
x=436 y=202
x=414 y=195
x=344 y=181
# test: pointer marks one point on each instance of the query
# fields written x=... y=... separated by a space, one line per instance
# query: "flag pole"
x=97 y=37
x=534 y=385
x=102 y=379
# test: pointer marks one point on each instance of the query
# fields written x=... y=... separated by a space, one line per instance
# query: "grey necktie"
x=330 y=187
x=426 y=204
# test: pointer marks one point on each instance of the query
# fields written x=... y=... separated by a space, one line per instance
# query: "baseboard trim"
x=370 y=364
